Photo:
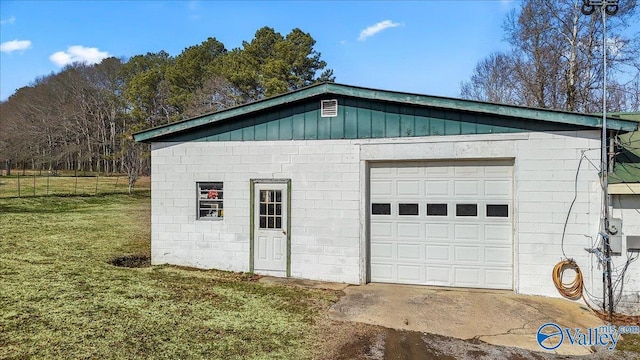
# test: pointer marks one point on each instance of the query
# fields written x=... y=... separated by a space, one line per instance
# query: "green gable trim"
x=359 y=119
x=368 y=113
x=160 y=131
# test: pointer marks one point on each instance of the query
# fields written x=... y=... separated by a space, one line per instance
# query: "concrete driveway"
x=496 y=317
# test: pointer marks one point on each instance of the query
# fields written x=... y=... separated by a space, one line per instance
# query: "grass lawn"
x=630 y=342
x=61 y=298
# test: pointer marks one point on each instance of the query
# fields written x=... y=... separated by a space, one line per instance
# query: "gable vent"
x=328 y=108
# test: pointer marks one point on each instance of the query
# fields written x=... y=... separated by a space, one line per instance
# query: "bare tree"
x=492 y=80
x=134 y=162
x=555 y=59
x=215 y=94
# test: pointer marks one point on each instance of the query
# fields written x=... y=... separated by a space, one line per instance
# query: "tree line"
x=82 y=117
x=555 y=59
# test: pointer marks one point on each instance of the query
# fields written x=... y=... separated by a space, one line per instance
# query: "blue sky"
x=426 y=47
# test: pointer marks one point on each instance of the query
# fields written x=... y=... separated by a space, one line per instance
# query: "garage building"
x=349 y=184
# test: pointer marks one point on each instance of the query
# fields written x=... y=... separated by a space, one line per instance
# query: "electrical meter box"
x=615 y=236
x=615 y=226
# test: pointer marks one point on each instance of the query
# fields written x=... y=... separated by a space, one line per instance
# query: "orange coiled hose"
x=572 y=290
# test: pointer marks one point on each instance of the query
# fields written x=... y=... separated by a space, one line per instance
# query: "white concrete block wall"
x=626 y=207
x=329 y=200
x=545 y=173
x=324 y=199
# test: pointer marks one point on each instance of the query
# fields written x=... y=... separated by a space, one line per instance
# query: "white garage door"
x=447 y=224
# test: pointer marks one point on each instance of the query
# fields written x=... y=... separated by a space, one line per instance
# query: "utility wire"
x=575 y=197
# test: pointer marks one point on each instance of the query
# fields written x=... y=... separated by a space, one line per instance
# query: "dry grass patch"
x=629 y=342
x=61 y=298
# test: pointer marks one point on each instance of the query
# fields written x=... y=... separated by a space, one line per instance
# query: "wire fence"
x=35 y=184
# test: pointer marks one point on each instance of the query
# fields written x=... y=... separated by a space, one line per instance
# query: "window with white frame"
x=210 y=201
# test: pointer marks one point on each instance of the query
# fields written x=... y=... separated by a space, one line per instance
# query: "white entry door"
x=270 y=228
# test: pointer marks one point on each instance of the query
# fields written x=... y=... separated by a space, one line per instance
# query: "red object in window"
x=213 y=194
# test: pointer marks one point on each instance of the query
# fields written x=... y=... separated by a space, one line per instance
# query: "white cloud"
x=15 y=45
x=9 y=21
x=506 y=4
x=78 y=53
x=193 y=5
x=374 y=29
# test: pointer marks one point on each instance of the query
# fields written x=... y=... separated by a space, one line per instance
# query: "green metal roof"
x=232 y=121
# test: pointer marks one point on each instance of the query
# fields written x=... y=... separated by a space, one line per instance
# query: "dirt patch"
x=412 y=345
x=131 y=261
x=342 y=340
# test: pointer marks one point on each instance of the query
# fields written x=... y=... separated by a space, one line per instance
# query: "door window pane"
x=270 y=209
x=497 y=210
x=407 y=209
x=380 y=209
x=436 y=209
x=466 y=209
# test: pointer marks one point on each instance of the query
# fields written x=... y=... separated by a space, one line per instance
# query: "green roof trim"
x=506 y=113
x=633 y=116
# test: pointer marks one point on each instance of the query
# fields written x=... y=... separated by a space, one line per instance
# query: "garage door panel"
x=378 y=170
x=436 y=189
x=382 y=188
x=438 y=275
x=468 y=171
x=497 y=189
x=410 y=274
x=383 y=272
x=437 y=253
x=467 y=232
x=410 y=252
x=498 y=278
x=409 y=170
x=468 y=254
x=381 y=229
x=408 y=188
x=498 y=233
x=498 y=255
x=382 y=251
x=438 y=172
x=497 y=171
x=408 y=230
x=467 y=188
x=467 y=276
x=444 y=224
x=438 y=231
